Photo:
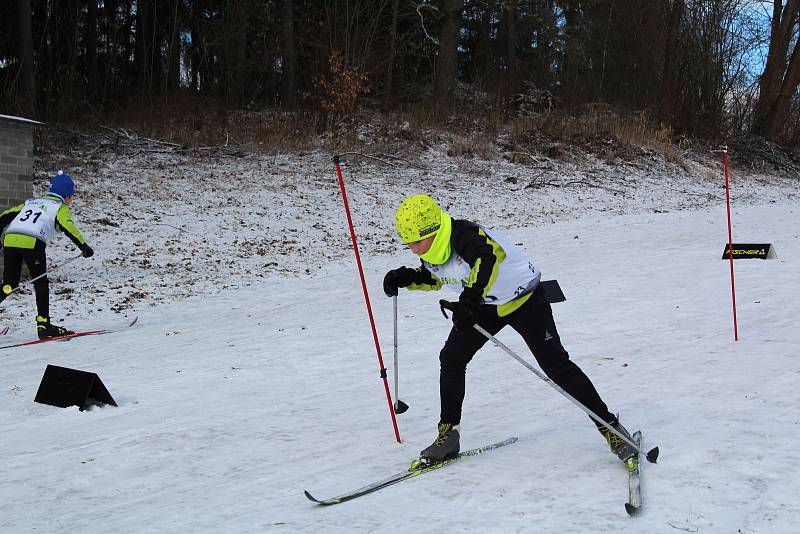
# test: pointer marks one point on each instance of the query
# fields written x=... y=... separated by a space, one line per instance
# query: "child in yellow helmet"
x=497 y=286
x=26 y=229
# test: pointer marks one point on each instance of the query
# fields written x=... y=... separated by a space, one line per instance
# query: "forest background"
x=274 y=74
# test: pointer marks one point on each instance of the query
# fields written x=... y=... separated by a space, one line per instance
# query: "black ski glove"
x=87 y=250
x=396 y=278
x=466 y=310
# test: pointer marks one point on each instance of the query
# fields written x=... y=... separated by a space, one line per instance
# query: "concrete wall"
x=16 y=162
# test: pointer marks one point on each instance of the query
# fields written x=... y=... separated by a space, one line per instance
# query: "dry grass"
x=195 y=122
x=597 y=121
x=476 y=145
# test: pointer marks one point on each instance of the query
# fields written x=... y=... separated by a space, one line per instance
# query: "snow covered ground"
x=252 y=373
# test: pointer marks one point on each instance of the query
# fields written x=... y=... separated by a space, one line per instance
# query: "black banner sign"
x=749 y=250
x=62 y=387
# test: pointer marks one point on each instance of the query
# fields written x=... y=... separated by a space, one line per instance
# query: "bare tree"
x=669 y=77
x=173 y=47
x=195 y=52
x=235 y=34
x=27 y=85
x=447 y=61
x=147 y=50
x=543 y=26
x=510 y=31
x=90 y=45
x=388 y=85
x=289 y=55
x=781 y=75
x=573 y=63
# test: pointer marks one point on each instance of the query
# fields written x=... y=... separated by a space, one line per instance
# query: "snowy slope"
x=254 y=377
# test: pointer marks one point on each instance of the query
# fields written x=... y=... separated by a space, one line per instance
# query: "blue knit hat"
x=62 y=185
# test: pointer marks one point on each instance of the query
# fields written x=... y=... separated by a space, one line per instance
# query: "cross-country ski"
x=411 y=472
x=72 y=335
x=634 y=504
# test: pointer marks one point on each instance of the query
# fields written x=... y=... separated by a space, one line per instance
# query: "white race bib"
x=36 y=219
x=517 y=275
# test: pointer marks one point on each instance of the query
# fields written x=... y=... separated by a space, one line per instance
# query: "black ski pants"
x=534 y=322
x=36 y=260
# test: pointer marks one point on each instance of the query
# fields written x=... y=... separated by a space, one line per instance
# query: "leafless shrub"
x=478 y=145
x=632 y=129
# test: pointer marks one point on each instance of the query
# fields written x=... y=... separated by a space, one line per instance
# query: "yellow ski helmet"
x=418 y=217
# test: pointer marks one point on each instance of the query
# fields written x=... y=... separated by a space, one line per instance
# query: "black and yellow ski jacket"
x=465 y=256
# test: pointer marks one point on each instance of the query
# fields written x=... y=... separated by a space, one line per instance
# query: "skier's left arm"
x=484 y=256
x=64 y=223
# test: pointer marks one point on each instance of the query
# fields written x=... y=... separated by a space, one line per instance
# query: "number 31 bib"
x=37 y=219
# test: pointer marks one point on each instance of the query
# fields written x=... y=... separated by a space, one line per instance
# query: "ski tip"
x=133 y=321
x=323 y=503
x=317 y=501
x=631 y=509
x=652 y=456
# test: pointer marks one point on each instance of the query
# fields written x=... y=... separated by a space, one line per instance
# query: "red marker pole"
x=730 y=239
x=366 y=297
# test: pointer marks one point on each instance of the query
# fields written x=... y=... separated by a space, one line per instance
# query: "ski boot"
x=46 y=330
x=618 y=446
x=444 y=447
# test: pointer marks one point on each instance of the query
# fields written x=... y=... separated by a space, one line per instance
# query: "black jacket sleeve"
x=8 y=216
x=482 y=253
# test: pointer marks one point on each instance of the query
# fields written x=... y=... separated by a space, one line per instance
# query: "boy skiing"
x=498 y=286
x=26 y=229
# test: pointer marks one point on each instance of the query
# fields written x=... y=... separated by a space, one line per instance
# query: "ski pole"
x=32 y=280
x=730 y=239
x=399 y=406
x=651 y=455
x=366 y=298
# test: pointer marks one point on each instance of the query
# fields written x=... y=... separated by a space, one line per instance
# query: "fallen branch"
x=574 y=182
x=531 y=156
x=134 y=145
x=687 y=529
x=369 y=157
